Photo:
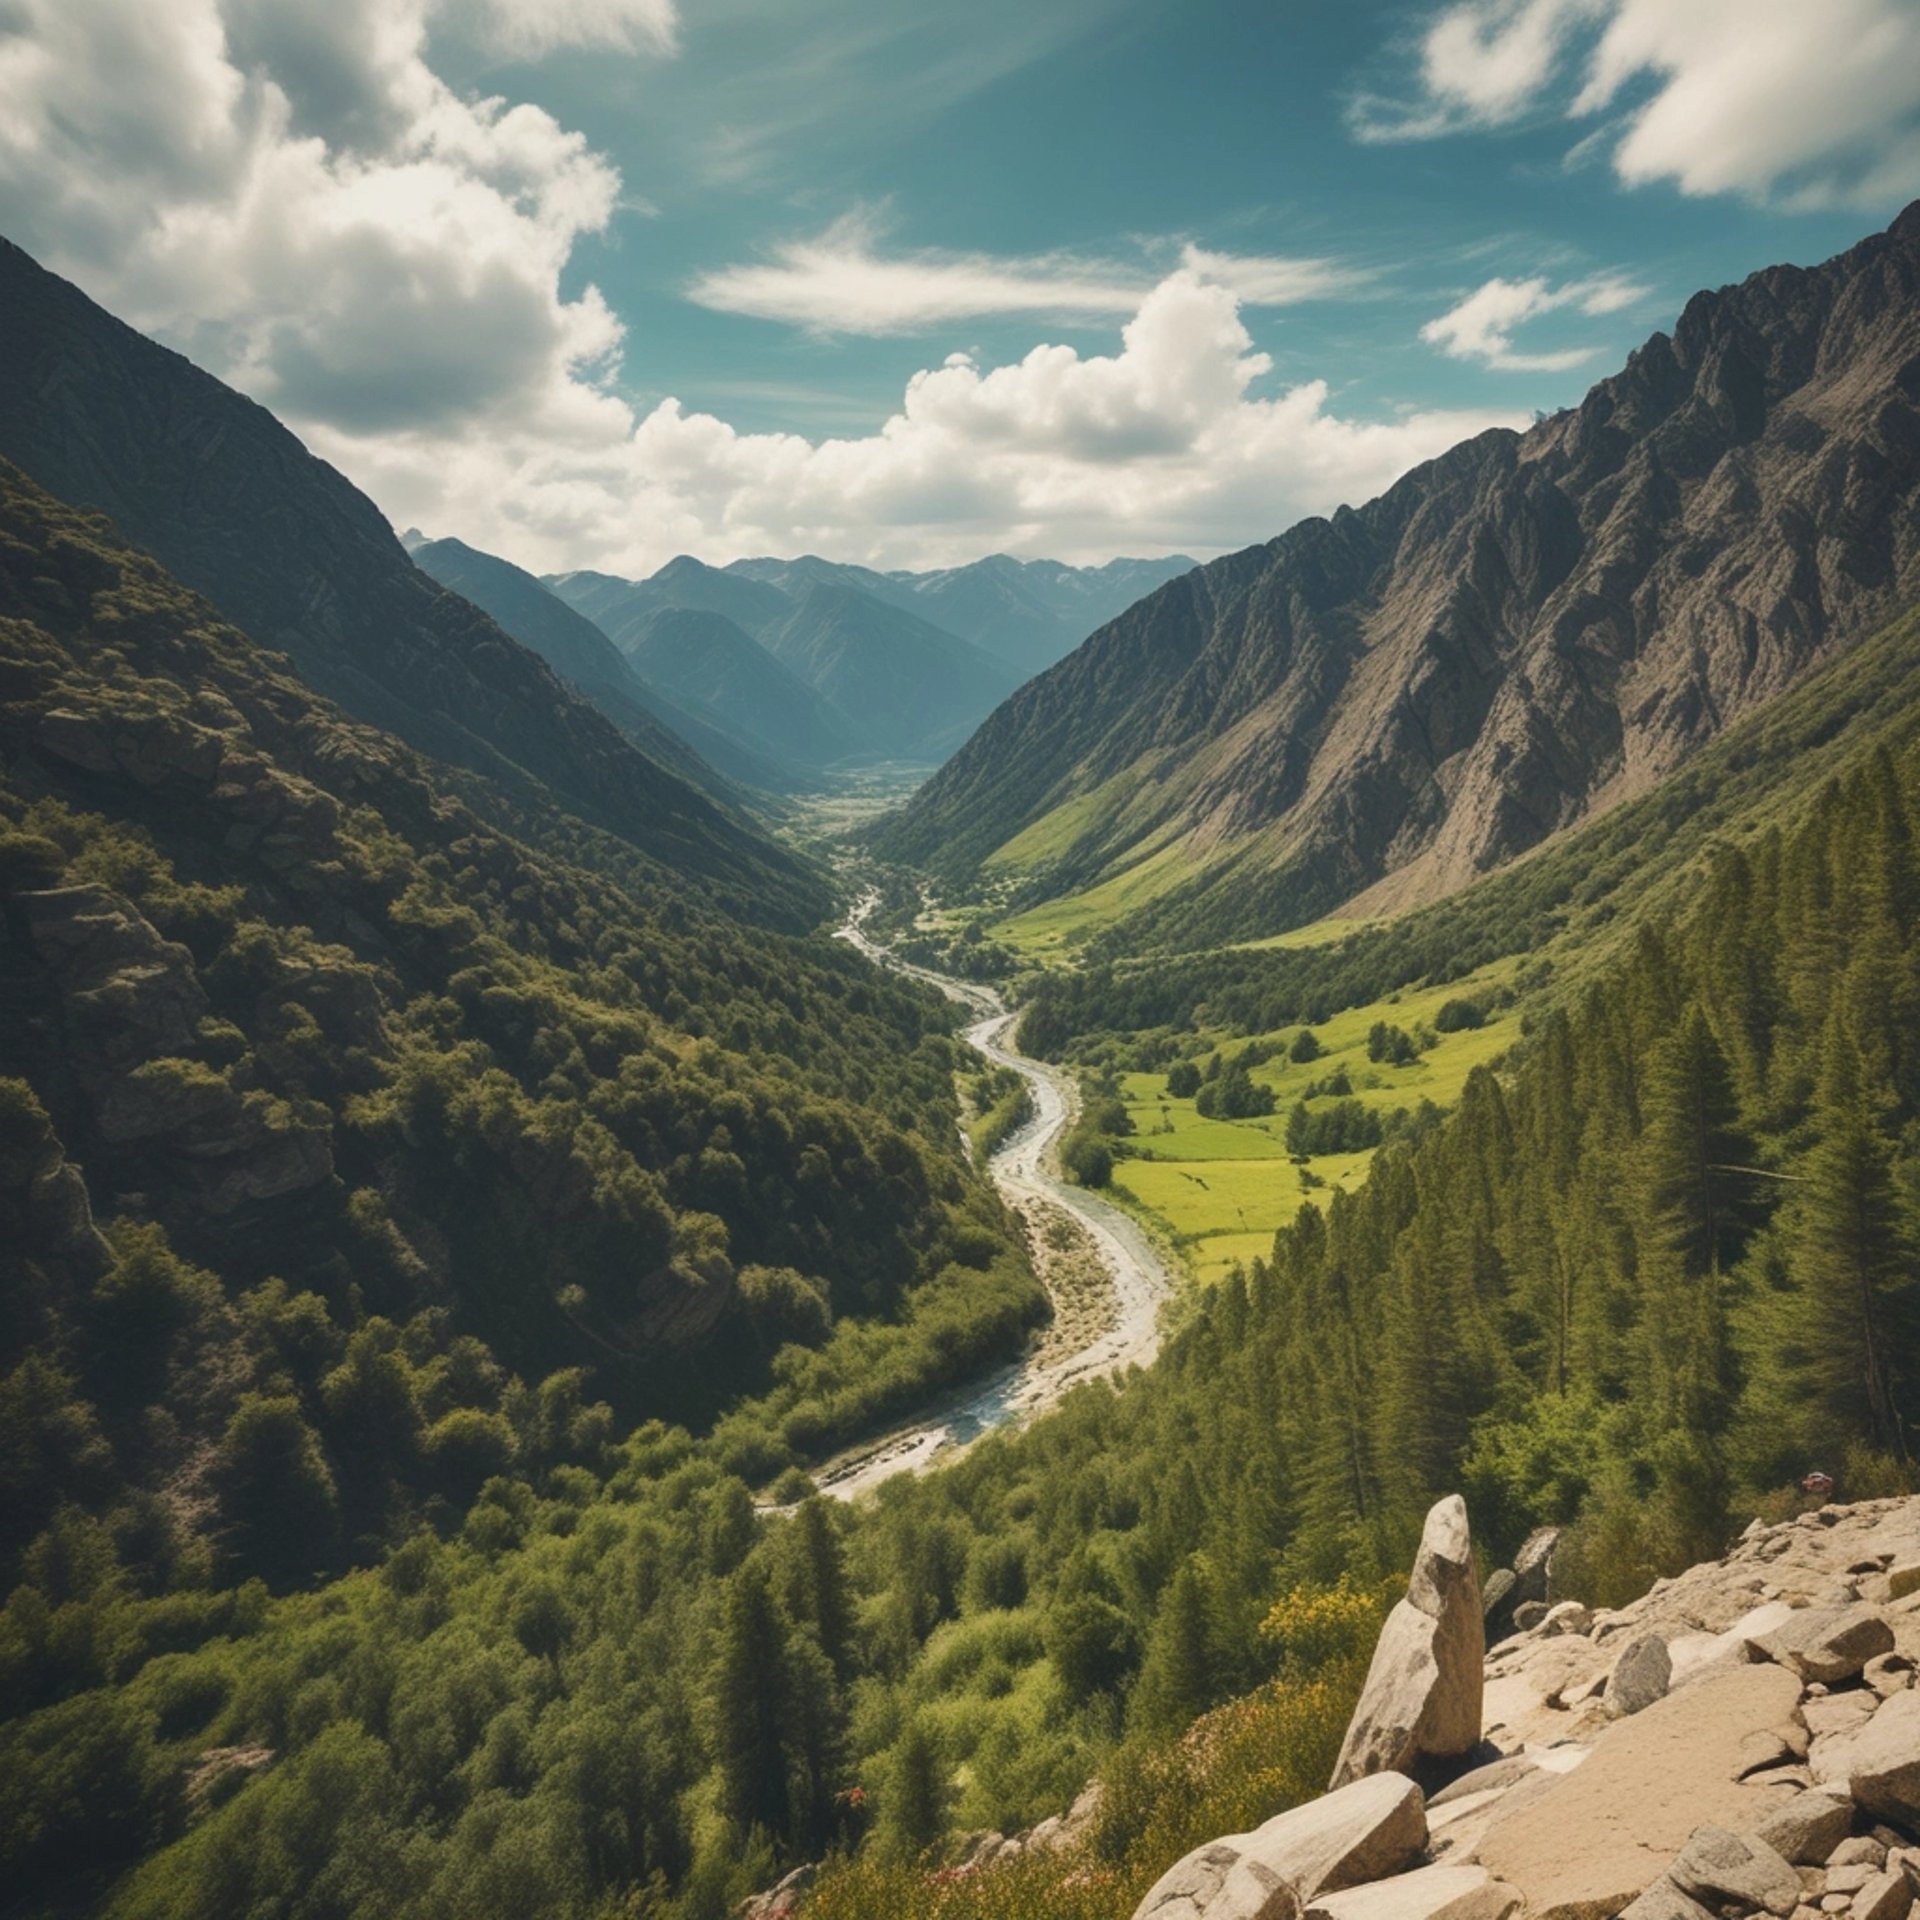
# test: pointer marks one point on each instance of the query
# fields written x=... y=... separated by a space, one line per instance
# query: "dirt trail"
x=1121 y=1330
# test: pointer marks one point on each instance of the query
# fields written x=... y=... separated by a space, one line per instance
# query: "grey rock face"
x=1718 y=1865
x=1640 y=1676
x=1879 y=1765
x=1829 y=1644
x=1808 y=1828
x=1394 y=700
x=1423 y=1691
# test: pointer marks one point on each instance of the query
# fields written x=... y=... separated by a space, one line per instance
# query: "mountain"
x=914 y=691
x=580 y=653
x=236 y=508
x=1027 y=613
x=1379 y=706
x=902 y=688
x=707 y=664
x=621 y=607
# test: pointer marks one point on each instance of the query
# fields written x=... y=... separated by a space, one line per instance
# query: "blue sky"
x=594 y=281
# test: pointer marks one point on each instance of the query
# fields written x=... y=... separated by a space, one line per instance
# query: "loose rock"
x=1362 y=1832
x=1716 y=1864
x=1808 y=1828
x=1428 y=1893
x=1640 y=1676
x=1829 y=1643
x=1879 y=1765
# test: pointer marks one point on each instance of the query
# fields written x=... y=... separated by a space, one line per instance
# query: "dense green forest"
x=367 y=1562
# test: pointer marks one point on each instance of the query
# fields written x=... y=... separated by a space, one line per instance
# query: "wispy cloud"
x=841 y=282
x=1481 y=326
x=1811 y=105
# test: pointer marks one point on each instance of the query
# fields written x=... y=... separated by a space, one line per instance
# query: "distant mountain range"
x=217 y=490
x=1377 y=707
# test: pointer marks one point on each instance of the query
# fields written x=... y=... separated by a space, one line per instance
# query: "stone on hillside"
x=1428 y=1893
x=1717 y=1865
x=1903 y=1579
x=1423 y=1691
x=1568 y=1617
x=1664 y=1901
x=1863 y=1850
x=1594 y=1840
x=1363 y=1832
x=1528 y=1614
x=1640 y=1675
x=1887 y=1896
x=1879 y=1763
x=1829 y=1643
x=1808 y=1828
x=1888 y=1674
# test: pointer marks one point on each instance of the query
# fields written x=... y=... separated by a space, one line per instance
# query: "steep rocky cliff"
x=1388 y=702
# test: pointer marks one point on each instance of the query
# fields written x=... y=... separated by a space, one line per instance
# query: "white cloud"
x=1166 y=443
x=1815 y=104
x=1481 y=326
x=839 y=283
x=289 y=191
x=531 y=29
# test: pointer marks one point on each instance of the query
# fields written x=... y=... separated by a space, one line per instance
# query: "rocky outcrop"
x=1358 y=1834
x=1384 y=705
x=1423 y=1691
x=1676 y=1759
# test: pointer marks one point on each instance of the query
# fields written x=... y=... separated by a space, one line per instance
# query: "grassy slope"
x=1218 y=1189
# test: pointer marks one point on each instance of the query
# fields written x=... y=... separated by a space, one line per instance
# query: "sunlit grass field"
x=1218 y=1190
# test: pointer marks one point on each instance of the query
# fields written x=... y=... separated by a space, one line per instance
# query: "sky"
x=589 y=283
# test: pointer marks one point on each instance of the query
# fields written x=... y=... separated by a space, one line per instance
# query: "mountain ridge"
x=236 y=508
x=1385 y=702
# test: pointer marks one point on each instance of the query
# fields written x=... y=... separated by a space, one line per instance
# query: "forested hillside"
x=235 y=507
x=354 y=1158
x=1658 y=1264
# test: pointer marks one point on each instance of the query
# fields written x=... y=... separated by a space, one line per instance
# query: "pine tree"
x=750 y=1705
x=1176 y=1683
x=1853 y=1323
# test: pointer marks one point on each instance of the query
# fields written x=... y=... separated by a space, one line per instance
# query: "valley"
x=714 y=1239
x=1109 y=1322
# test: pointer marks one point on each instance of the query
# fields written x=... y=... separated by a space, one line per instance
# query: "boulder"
x=1808 y=1828
x=1887 y=1896
x=1529 y=1614
x=1422 y=1696
x=1568 y=1617
x=1829 y=1643
x=1598 y=1837
x=1664 y=1901
x=1716 y=1865
x=1888 y=1674
x=1879 y=1763
x=1428 y=1893
x=1640 y=1675
x=1362 y=1832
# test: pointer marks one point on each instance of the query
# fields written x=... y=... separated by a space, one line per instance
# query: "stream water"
x=1023 y=1171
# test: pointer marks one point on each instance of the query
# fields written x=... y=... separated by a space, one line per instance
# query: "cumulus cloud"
x=1167 y=443
x=287 y=190
x=1481 y=326
x=839 y=282
x=1815 y=105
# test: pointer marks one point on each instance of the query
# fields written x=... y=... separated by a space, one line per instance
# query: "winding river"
x=1022 y=1170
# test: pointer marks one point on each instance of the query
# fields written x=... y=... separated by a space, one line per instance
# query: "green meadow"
x=1218 y=1190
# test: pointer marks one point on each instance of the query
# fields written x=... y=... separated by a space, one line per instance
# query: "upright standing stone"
x=1423 y=1693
